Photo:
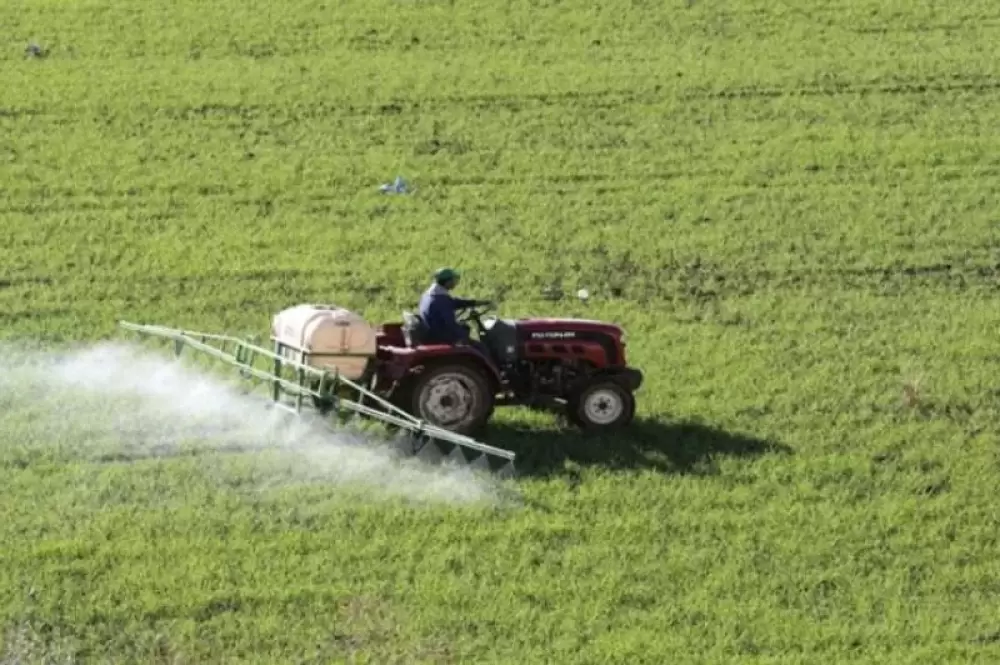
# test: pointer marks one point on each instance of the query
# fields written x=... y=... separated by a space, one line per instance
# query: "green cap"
x=445 y=275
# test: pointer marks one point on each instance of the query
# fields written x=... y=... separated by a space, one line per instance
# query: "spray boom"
x=296 y=383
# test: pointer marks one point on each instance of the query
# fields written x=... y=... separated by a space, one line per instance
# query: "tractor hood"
x=540 y=327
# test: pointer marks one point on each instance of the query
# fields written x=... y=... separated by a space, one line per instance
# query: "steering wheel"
x=474 y=313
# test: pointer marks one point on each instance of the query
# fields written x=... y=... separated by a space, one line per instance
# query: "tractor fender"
x=629 y=378
x=401 y=393
x=463 y=356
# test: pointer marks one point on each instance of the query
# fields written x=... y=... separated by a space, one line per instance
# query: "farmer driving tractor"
x=438 y=308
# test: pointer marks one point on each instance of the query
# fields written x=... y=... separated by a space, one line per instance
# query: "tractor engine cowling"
x=572 y=341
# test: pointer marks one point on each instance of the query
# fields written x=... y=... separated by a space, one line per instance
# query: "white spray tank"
x=331 y=337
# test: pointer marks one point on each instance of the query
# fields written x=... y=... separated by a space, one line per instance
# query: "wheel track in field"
x=957 y=83
x=614 y=277
x=53 y=200
x=608 y=98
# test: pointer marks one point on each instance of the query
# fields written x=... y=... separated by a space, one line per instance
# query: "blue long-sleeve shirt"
x=437 y=309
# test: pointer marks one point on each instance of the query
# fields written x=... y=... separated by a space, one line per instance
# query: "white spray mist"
x=135 y=403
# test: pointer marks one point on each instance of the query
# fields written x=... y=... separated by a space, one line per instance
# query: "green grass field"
x=790 y=206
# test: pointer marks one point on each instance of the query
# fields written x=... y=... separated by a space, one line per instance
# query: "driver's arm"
x=456 y=331
x=463 y=303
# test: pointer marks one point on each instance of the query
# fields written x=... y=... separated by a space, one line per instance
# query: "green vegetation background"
x=790 y=206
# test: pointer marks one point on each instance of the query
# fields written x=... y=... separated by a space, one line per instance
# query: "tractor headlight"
x=623 y=339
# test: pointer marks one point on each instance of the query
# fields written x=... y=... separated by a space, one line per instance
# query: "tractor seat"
x=414 y=329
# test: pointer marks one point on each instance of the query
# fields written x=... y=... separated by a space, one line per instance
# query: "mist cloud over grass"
x=114 y=401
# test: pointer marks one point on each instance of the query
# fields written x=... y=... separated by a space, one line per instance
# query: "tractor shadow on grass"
x=672 y=447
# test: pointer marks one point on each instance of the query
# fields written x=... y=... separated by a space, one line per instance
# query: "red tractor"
x=573 y=366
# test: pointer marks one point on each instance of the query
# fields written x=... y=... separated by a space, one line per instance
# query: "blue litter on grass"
x=399 y=186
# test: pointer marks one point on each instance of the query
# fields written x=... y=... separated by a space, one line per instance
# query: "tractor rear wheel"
x=453 y=397
x=602 y=405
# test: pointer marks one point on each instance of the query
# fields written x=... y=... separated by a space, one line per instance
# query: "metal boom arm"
x=313 y=384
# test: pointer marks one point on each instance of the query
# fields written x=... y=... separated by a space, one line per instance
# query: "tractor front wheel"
x=601 y=406
x=453 y=397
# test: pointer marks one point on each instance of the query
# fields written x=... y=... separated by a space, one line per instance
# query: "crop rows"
x=790 y=208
